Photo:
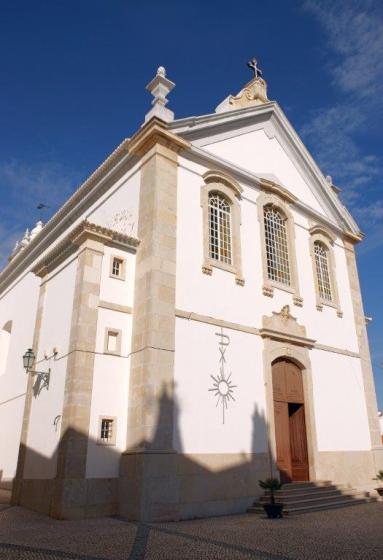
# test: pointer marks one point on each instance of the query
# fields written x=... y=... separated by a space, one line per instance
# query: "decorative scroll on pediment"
x=254 y=93
x=283 y=326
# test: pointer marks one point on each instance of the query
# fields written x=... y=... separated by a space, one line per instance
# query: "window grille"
x=219 y=228
x=106 y=432
x=117 y=267
x=277 y=253
x=321 y=263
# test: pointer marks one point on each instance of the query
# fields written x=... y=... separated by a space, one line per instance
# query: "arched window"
x=221 y=217
x=5 y=339
x=322 y=270
x=322 y=244
x=220 y=228
x=276 y=244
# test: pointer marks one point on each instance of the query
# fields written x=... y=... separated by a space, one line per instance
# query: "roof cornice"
x=191 y=125
x=85 y=230
x=312 y=168
x=153 y=132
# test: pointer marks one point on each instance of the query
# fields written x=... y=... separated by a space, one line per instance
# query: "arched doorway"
x=290 y=425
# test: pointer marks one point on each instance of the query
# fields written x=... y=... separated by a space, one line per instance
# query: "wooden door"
x=282 y=434
x=290 y=428
x=298 y=442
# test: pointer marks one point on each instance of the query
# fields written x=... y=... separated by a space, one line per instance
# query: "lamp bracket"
x=44 y=377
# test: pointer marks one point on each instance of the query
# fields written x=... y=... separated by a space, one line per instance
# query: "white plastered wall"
x=117 y=208
x=198 y=426
x=262 y=155
x=339 y=403
x=220 y=297
x=19 y=306
x=111 y=373
x=114 y=290
x=44 y=432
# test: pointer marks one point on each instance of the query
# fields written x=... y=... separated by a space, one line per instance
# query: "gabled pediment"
x=260 y=140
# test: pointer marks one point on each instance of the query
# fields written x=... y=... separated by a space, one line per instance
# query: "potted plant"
x=273 y=509
x=379 y=477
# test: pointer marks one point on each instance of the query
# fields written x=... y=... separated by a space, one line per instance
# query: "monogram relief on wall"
x=122 y=222
x=222 y=386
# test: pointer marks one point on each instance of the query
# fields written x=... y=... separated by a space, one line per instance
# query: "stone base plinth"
x=71 y=498
x=168 y=486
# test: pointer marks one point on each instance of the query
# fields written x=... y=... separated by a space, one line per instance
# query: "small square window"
x=112 y=341
x=107 y=430
x=117 y=268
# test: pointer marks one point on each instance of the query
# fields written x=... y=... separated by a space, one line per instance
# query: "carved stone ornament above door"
x=284 y=327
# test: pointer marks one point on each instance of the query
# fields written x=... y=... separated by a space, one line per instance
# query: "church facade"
x=195 y=324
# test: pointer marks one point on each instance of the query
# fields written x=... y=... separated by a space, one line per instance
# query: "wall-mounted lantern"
x=29 y=359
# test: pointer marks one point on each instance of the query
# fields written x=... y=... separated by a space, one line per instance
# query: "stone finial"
x=28 y=236
x=159 y=87
x=20 y=245
x=335 y=189
x=254 y=92
x=38 y=227
x=26 y=239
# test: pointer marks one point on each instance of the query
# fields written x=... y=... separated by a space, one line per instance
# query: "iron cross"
x=253 y=64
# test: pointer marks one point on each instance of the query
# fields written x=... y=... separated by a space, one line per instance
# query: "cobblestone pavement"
x=350 y=533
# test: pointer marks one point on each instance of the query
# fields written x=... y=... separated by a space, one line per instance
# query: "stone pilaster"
x=69 y=498
x=365 y=359
x=148 y=482
x=17 y=485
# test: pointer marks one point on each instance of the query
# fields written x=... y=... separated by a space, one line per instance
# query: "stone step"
x=310 y=495
x=293 y=489
x=318 y=499
x=318 y=506
x=309 y=490
x=306 y=484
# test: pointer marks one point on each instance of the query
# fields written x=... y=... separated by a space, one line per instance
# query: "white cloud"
x=354 y=60
x=355 y=33
x=372 y=212
x=330 y=133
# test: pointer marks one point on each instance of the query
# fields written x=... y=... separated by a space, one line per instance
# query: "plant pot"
x=379 y=490
x=273 y=511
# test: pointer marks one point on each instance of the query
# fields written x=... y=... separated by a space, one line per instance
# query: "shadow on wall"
x=158 y=484
x=154 y=484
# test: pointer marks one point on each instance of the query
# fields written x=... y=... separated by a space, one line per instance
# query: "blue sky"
x=73 y=73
